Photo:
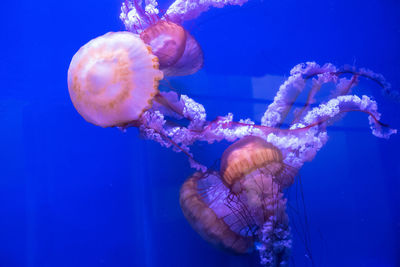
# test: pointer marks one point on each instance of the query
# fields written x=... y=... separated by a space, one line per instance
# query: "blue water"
x=73 y=194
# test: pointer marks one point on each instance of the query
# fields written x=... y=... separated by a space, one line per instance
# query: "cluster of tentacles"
x=244 y=208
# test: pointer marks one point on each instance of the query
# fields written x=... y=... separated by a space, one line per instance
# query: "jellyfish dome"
x=253 y=153
x=113 y=78
x=178 y=52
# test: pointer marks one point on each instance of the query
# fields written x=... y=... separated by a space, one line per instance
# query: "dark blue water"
x=73 y=194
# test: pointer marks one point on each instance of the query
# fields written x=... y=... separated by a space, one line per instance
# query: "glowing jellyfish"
x=167 y=41
x=113 y=79
x=244 y=207
x=178 y=52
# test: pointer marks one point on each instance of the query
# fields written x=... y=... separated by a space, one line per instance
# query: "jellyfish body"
x=244 y=205
x=256 y=174
x=178 y=52
x=167 y=41
x=113 y=79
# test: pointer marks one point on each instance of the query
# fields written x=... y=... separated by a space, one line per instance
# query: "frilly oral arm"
x=135 y=18
x=182 y=10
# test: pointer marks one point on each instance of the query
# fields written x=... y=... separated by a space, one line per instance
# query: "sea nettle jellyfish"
x=113 y=79
x=243 y=207
x=178 y=52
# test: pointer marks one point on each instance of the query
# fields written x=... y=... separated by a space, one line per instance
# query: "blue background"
x=73 y=194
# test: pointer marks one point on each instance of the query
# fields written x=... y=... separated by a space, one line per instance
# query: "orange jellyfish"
x=113 y=79
x=243 y=207
x=178 y=52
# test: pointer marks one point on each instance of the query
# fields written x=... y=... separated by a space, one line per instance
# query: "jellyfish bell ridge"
x=113 y=79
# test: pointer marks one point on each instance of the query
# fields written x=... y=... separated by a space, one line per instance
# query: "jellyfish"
x=113 y=79
x=243 y=207
x=178 y=52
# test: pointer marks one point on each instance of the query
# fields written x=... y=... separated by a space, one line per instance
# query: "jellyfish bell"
x=253 y=154
x=242 y=207
x=190 y=62
x=167 y=41
x=178 y=52
x=203 y=199
x=113 y=79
